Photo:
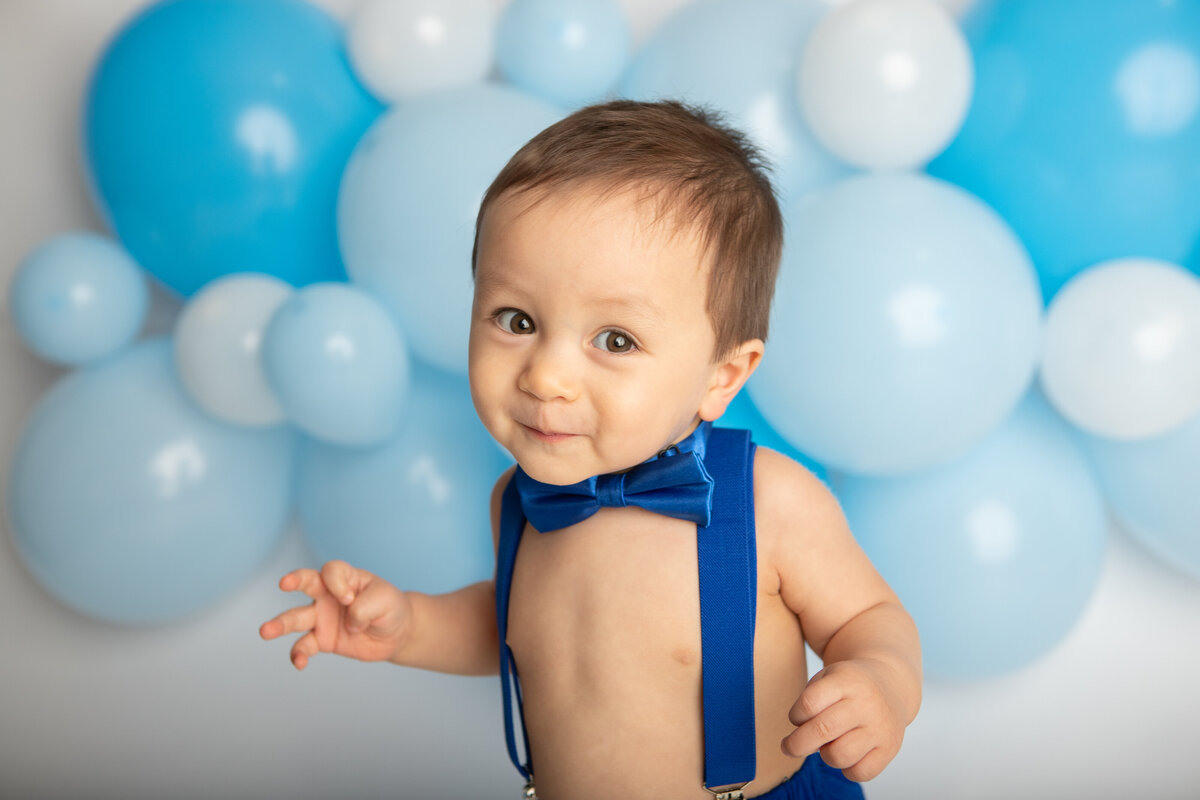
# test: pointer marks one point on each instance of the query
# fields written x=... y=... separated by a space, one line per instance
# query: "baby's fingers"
x=344 y=581
x=305 y=648
x=821 y=729
x=293 y=620
x=373 y=608
x=304 y=580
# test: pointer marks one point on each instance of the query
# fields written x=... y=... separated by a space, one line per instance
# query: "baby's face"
x=591 y=348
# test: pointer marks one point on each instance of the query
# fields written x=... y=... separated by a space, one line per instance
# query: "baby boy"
x=657 y=605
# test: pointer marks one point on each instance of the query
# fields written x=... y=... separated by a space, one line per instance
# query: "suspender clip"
x=731 y=792
x=530 y=792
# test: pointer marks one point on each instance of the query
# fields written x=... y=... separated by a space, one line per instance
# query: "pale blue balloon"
x=414 y=511
x=408 y=201
x=334 y=358
x=1084 y=129
x=739 y=57
x=996 y=555
x=78 y=297
x=129 y=504
x=907 y=325
x=1152 y=485
x=567 y=52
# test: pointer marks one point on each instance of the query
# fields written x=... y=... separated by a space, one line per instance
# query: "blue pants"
x=815 y=780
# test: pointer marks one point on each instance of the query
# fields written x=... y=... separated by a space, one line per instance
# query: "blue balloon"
x=407 y=206
x=1151 y=487
x=77 y=298
x=996 y=555
x=567 y=52
x=334 y=358
x=215 y=133
x=1084 y=129
x=907 y=325
x=130 y=504
x=414 y=511
x=743 y=414
x=739 y=57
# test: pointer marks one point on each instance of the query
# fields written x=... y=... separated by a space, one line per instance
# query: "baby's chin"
x=565 y=474
x=554 y=475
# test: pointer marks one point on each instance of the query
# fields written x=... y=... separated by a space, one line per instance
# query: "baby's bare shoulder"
x=789 y=497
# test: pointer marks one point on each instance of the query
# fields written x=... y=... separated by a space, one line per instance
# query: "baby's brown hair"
x=703 y=174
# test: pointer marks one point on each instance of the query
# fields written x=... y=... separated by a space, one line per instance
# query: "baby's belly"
x=605 y=629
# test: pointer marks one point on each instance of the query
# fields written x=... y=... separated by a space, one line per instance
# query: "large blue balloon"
x=1084 y=131
x=414 y=510
x=216 y=132
x=130 y=504
x=996 y=555
x=906 y=326
x=1152 y=487
x=408 y=201
x=739 y=57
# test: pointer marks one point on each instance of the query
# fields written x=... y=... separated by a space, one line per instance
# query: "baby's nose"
x=549 y=374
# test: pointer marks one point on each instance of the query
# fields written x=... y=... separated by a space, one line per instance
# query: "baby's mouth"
x=546 y=435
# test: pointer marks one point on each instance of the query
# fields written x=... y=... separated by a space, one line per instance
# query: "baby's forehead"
x=658 y=213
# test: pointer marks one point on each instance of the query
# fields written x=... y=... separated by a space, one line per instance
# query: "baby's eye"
x=614 y=342
x=514 y=321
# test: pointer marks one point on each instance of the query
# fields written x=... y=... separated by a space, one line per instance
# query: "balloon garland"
x=310 y=189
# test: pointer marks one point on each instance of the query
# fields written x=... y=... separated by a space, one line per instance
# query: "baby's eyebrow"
x=493 y=280
x=641 y=307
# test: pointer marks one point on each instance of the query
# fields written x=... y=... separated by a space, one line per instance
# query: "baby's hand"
x=845 y=713
x=353 y=613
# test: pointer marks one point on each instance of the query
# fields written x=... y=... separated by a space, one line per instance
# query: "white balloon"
x=1122 y=348
x=217 y=341
x=403 y=48
x=885 y=84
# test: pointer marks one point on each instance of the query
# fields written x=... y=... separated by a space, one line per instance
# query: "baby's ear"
x=730 y=375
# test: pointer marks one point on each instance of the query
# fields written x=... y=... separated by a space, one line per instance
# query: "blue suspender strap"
x=512 y=523
x=728 y=591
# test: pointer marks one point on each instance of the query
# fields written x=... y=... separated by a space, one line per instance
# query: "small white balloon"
x=404 y=48
x=1122 y=348
x=885 y=84
x=217 y=342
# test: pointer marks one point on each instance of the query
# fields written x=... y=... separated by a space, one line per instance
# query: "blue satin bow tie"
x=673 y=483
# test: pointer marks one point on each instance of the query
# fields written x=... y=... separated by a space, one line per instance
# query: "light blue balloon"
x=1152 y=485
x=907 y=325
x=739 y=57
x=567 y=52
x=215 y=133
x=129 y=504
x=78 y=297
x=334 y=358
x=1084 y=129
x=743 y=414
x=996 y=555
x=414 y=511
x=407 y=206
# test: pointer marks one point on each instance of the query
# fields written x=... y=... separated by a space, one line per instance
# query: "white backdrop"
x=203 y=708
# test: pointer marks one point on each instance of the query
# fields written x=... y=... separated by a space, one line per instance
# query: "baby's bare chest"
x=624 y=578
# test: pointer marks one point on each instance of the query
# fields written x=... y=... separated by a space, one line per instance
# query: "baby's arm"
x=356 y=614
x=855 y=710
